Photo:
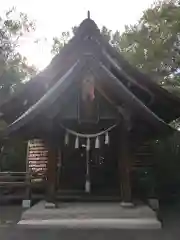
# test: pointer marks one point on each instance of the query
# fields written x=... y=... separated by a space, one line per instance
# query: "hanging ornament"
x=87 y=186
x=77 y=143
x=107 y=138
x=66 y=139
x=88 y=144
x=97 y=142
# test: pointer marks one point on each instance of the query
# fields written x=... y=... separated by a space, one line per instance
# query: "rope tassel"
x=87 y=186
x=66 y=139
x=77 y=143
x=97 y=143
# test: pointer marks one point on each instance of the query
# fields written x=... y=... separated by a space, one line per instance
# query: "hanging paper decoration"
x=87 y=137
x=77 y=143
x=66 y=140
x=107 y=138
x=97 y=142
x=87 y=186
x=88 y=144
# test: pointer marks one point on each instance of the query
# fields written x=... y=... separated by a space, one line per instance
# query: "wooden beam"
x=123 y=94
x=51 y=172
x=128 y=77
x=49 y=98
x=123 y=112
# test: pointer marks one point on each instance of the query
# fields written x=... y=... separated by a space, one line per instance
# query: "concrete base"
x=127 y=204
x=154 y=203
x=26 y=203
x=90 y=215
x=93 y=223
x=50 y=205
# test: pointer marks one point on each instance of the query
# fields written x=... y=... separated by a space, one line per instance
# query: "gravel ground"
x=10 y=214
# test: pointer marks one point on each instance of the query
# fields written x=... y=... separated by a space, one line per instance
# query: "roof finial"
x=88 y=14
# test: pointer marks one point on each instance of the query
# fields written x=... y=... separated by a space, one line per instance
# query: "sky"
x=55 y=16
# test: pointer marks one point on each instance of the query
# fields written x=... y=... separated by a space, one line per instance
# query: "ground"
x=10 y=215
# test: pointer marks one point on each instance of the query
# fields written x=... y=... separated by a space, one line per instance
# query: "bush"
x=14 y=157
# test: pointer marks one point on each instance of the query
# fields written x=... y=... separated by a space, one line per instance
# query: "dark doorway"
x=103 y=171
x=102 y=167
x=73 y=169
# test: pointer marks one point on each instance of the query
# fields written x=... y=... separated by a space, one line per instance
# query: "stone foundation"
x=91 y=215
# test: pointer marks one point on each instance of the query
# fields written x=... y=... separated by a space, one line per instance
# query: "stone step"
x=93 y=223
x=90 y=215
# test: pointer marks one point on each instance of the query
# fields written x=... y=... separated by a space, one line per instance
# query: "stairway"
x=96 y=215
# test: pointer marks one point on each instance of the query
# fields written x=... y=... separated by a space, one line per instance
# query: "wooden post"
x=1 y=155
x=26 y=203
x=59 y=166
x=124 y=165
x=51 y=175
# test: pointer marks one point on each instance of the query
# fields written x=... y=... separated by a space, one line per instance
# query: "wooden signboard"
x=37 y=156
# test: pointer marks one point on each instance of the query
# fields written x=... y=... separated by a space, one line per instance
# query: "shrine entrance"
x=93 y=172
x=72 y=174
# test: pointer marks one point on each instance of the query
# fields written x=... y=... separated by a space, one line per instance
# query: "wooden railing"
x=21 y=185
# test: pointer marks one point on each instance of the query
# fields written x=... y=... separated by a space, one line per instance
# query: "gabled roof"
x=88 y=50
x=117 y=91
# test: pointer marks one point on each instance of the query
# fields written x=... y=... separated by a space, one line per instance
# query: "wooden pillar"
x=124 y=164
x=59 y=166
x=27 y=201
x=51 y=173
x=1 y=155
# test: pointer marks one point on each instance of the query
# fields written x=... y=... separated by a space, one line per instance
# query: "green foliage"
x=152 y=44
x=13 y=67
x=14 y=157
x=172 y=84
x=59 y=43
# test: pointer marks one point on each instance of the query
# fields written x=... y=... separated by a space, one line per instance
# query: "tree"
x=152 y=44
x=60 y=42
x=14 y=68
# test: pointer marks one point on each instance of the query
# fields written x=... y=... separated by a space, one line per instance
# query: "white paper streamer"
x=97 y=143
x=87 y=186
x=66 y=139
x=106 y=138
x=77 y=143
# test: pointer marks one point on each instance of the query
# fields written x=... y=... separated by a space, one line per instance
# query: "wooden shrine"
x=86 y=115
